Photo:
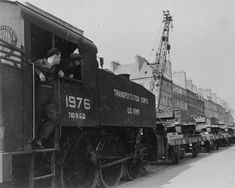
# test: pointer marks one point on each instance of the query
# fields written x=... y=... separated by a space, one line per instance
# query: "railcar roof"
x=35 y=14
x=53 y=18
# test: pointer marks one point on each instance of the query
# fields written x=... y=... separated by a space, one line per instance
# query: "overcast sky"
x=202 y=40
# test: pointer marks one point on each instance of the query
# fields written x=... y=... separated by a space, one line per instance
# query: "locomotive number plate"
x=77 y=107
x=77 y=102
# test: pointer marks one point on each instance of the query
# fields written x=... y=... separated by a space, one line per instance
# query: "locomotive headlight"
x=141 y=131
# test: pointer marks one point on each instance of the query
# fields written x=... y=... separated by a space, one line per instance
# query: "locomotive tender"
x=100 y=118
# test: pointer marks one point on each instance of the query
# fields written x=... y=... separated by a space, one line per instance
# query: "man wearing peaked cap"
x=75 y=56
x=45 y=72
x=52 y=52
x=74 y=68
x=53 y=57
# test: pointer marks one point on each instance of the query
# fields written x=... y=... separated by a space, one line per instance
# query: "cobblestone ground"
x=213 y=170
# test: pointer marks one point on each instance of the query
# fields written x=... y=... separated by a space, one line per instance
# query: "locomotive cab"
x=26 y=34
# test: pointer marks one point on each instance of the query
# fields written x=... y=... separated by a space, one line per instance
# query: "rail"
x=10 y=54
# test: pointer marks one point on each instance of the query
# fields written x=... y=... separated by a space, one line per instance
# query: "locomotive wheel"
x=79 y=165
x=111 y=150
x=133 y=168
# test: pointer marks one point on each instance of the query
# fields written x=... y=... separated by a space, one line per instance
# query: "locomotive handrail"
x=11 y=54
x=14 y=55
x=11 y=60
x=12 y=46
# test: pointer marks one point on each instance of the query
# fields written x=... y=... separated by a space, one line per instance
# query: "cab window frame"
x=42 y=40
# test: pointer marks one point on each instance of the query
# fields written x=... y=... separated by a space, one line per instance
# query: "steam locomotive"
x=101 y=119
x=105 y=124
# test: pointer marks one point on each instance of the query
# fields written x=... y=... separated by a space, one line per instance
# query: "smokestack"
x=125 y=76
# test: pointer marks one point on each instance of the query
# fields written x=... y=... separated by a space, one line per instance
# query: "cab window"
x=43 y=40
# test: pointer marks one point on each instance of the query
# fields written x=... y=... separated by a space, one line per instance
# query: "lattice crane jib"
x=162 y=56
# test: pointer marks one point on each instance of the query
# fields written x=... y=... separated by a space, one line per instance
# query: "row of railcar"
x=105 y=124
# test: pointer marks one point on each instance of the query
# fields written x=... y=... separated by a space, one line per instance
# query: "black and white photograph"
x=117 y=94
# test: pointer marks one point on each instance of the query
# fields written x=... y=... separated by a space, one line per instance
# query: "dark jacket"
x=41 y=65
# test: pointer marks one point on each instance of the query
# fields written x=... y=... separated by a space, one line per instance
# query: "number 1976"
x=77 y=102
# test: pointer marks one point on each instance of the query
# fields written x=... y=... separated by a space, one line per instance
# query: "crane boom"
x=163 y=51
x=162 y=56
